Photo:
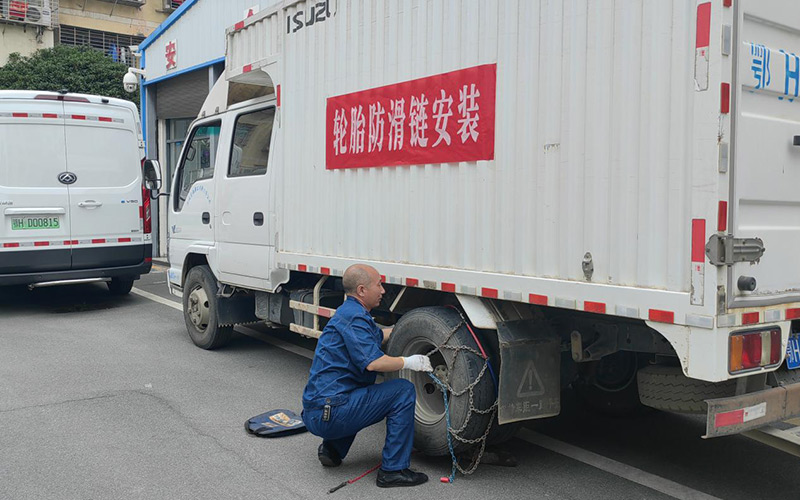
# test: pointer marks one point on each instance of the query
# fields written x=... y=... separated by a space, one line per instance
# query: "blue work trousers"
x=392 y=400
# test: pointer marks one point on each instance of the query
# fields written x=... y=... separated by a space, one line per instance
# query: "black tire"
x=418 y=332
x=610 y=385
x=200 y=310
x=120 y=286
x=667 y=388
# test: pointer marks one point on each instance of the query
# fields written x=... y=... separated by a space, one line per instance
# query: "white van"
x=73 y=202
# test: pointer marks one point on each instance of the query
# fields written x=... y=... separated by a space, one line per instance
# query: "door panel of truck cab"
x=103 y=152
x=34 y=204
x=246 y=229
x=766 y=165
x=191 y=221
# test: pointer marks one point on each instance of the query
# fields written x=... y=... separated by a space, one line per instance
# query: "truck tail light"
x=144 y=209
x=754 y=349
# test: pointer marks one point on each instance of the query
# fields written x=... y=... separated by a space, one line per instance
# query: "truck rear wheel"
x=200 y=310
x=419 y=332
x=667 y=388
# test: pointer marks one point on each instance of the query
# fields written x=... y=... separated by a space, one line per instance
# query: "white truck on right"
x=613 y=205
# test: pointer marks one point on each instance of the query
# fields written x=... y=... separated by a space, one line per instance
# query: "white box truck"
x=597 y=195
x=73 y=197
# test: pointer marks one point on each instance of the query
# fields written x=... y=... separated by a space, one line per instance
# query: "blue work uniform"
x=339 y=378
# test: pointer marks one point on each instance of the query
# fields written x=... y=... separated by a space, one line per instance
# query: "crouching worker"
x=341 y=396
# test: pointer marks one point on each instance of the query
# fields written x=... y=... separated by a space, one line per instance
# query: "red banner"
x=443 y=118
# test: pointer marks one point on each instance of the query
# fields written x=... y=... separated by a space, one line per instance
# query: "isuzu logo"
x=67 y=178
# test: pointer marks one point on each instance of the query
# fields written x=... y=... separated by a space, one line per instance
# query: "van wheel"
x=419 y=332
x=200 y=310
x=120 y=286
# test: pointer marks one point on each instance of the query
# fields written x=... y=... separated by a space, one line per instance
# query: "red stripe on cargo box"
x=325 y=270
x=41 y=243
x=412 y=282
x=278 y=95
x=750 y=318
x=78 y=117
x=662 y=316
x=727 y=3
x=449 y=287
x=19 y=115
x=105 y=119
x=99 y=240
x=725 y=98
x=703 y=25
x=698 y=240
x=247 y=68
x=729 y=418
x=124 y=240
x=70 y=242
x=722 y=216
x=302 y=267
x=540 y=300
x=595 y=307
x=238 y=25
x=10 y=245
x=793 y=313
x=49 y=115
x=489 y=292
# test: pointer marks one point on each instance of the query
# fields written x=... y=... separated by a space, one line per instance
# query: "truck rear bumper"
x=749 y=411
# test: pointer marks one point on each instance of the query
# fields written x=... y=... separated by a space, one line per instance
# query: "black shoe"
x=328 y=456
x=405 y=477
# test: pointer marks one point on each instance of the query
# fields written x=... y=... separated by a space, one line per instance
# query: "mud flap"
x=236 y=310
x=529 y=371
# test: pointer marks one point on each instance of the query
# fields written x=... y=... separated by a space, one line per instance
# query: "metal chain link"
x=447 y=388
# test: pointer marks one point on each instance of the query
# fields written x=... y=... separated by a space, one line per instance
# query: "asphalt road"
x=104 y=397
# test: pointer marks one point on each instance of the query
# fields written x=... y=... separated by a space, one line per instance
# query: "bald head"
x=355 y=275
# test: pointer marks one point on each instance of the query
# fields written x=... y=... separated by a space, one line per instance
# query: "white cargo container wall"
x=603 y=144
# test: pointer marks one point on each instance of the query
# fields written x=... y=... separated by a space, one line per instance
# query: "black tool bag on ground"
x=275 y=423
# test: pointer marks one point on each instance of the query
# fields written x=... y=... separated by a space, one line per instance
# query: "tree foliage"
x=77 y=69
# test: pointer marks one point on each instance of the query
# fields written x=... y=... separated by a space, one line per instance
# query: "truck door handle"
x=206 y=218
x=90 y=204
x=258 y=219
x=796 y=140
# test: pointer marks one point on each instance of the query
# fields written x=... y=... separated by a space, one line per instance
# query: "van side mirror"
x=152 y=175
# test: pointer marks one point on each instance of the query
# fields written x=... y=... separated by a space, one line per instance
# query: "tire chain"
x=456 y=433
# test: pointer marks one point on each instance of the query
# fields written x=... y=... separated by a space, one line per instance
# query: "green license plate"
x=24 y=223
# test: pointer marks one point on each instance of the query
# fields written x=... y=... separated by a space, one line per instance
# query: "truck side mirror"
x=152 y=176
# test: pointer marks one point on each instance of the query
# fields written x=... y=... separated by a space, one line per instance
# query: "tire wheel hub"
x=198 y=308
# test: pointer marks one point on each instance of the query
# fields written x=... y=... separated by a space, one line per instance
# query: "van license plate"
x=793 y=353
x=24 y=223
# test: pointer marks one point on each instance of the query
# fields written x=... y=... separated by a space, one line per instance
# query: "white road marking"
x=624 y=471
x=155 y=298
x=619 y=469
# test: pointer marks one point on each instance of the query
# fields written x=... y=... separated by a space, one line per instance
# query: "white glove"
x=417 y=363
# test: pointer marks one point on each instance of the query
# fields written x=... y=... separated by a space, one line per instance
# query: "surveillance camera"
x=130 y=82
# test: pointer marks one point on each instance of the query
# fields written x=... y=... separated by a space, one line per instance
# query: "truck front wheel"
x=200 y=310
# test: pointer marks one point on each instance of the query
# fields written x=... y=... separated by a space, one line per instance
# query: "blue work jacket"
x=349 y=343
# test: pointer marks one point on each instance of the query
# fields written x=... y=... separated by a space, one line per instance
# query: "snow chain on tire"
x=456 y=433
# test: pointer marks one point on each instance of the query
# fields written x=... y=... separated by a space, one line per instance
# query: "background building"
x=108 y=25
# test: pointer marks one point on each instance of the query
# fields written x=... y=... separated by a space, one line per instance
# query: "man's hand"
x=417 y=363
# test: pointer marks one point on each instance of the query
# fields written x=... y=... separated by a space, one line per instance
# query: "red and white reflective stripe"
x=247 y=68
x=703 y=34
x=49 y=243
x=106 y=119
x=661 y=316
x=595 y=307
x=725 y=98
x=698 y=240
x=740 y=416
x=750 y=318
x=490 y=293
x=238 y=25
x=722 y=216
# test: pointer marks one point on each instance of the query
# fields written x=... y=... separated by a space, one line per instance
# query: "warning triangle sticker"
x=531 y=384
